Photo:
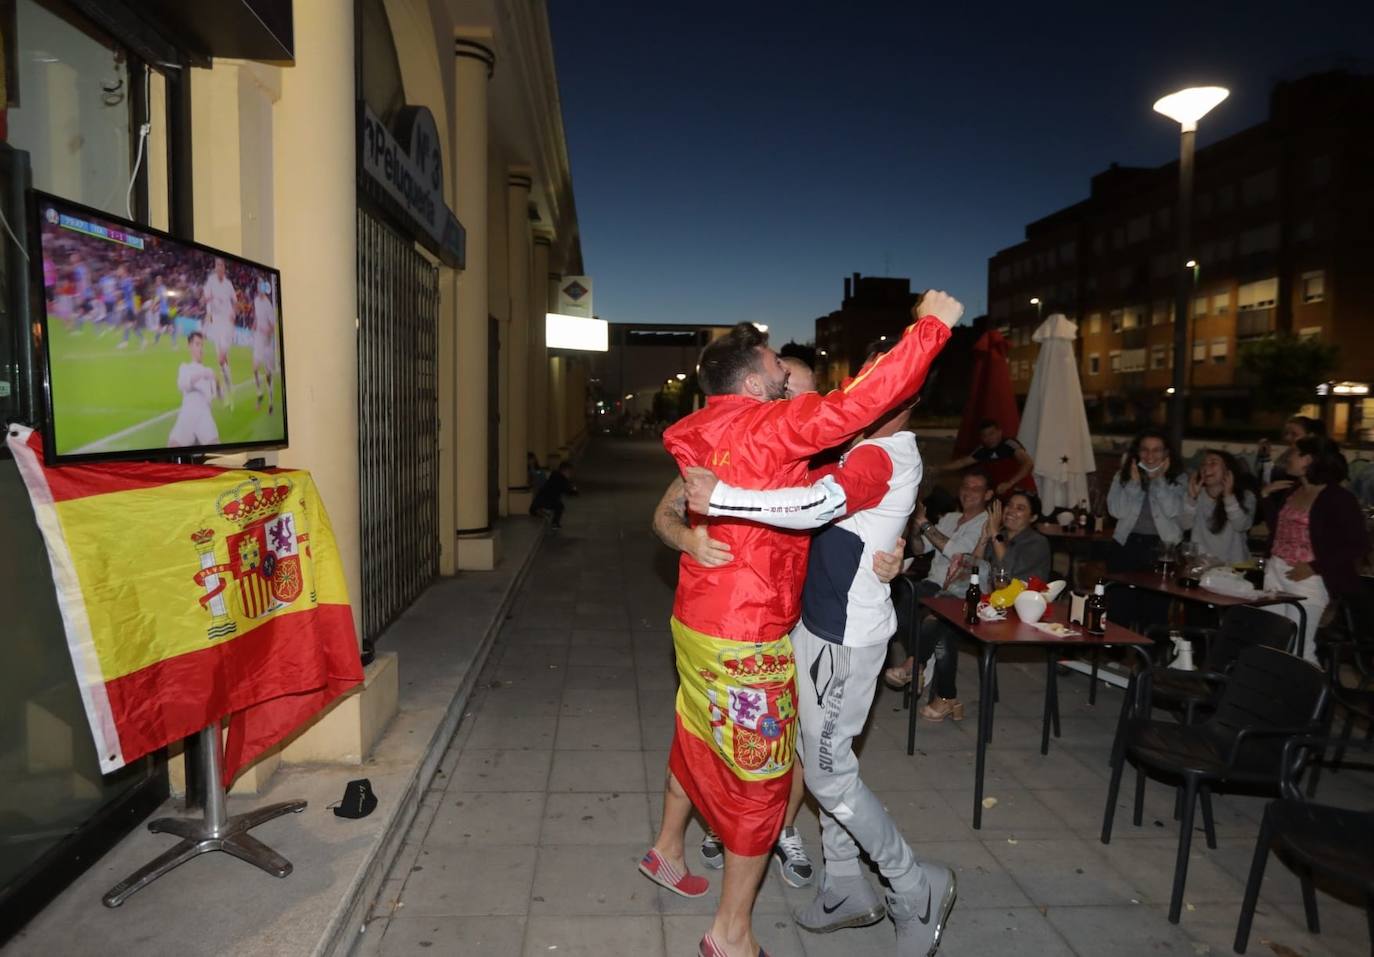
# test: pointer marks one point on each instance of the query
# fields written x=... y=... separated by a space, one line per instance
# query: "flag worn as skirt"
x=735 y=734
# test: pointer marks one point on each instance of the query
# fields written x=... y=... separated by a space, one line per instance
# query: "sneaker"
x=793 y=865
x=712 y=851
x=921 y=922
x=847 y=902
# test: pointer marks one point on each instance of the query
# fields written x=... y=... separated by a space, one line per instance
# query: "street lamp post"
x=1185 y=107
x=1035 y=301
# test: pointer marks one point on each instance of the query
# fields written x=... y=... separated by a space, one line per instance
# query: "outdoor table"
x=1011 y=631
x=1068 y=540
x=1165 y=585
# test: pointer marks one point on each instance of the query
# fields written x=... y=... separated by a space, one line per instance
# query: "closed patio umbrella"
x=1054 y=425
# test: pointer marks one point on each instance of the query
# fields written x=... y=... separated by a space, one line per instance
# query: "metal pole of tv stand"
x=215 y=831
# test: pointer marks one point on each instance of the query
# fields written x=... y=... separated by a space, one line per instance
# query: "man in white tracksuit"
x=841 y=645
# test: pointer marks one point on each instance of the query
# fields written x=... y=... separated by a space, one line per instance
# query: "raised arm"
x=810 y=423
x=670 y=525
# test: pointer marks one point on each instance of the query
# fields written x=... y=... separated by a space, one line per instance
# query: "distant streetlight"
x=1035 y=301
x=822 y=352
x=1185 y=108
x=882 y=338
x=629 y=396
x=682 y=377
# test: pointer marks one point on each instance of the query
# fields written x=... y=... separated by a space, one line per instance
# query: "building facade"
x=416 y=373
x=1283 y=231
x=873 y=308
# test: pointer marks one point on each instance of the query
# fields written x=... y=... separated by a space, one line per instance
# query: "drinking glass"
x=1001 y=576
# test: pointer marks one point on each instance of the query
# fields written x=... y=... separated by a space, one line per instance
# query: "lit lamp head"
x=1188 y=106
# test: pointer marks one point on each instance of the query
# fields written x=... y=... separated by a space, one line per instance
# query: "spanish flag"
x=735 y=734
x=190 y=592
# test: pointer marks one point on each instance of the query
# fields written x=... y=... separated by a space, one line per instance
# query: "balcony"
x=1253 y=323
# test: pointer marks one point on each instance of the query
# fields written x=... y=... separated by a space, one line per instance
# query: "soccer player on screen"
x=109 y=299
x=264 y=342
x=194 y=425
x=220 y=303
x=161 y=307
x=128 y=309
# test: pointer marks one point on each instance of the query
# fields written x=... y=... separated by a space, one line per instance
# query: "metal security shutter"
x=398 y=417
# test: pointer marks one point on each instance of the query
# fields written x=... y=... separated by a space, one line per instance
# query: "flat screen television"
x=152 y=346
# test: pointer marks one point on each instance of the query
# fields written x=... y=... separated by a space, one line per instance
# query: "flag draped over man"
x=190 y=592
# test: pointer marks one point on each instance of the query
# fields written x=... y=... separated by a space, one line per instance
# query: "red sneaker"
x=656 y=869
x=709 y=948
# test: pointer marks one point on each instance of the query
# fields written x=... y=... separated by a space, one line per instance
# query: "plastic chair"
x=1242 y=626
x=1318 y=839
x=1270 y=695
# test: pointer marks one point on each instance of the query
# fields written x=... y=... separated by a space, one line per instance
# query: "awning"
x=199 y=30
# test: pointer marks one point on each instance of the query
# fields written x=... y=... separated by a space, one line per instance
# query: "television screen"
x=153 y=345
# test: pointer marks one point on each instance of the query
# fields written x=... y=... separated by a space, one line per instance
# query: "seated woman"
x=1009 y=540
x=1318 y=538
x=1219 y=507
x=1145 y=498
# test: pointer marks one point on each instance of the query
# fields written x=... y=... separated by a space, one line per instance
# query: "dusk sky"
x=736 y=161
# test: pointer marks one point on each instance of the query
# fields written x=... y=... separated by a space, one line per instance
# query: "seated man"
x=953 y=539
x=840 y=644
x=1007 y=464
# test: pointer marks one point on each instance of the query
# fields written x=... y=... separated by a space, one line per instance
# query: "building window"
x=1161 y=313
x=1314 y=286
x=1199 y=350
x=1114 y=360
x=1200 y=306
x=1094 y=364
x=1159 y=357
x=1310 y=332
x=1259 y=188
x=1257 y=295
x=1258 y=240
x=1133 y=360
x=1130 y=317
x=1094 y=323
x=1221 y=303
x=1220 y=347
x=1117 y=320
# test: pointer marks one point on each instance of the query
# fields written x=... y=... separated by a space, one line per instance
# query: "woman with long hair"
x=1220 y=507
x=1317 y=534
x=1146 y=499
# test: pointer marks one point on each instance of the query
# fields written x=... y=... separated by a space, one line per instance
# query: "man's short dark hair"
x=976 y=472
x=192 y=337
x=1328 y=466
x=730 y=358
x=989 y=424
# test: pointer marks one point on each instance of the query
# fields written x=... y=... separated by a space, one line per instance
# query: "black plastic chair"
x=1318 y=839
x=1242 y=626
x=1270 y=695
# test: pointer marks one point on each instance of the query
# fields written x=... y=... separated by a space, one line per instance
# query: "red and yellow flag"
x=190 y=592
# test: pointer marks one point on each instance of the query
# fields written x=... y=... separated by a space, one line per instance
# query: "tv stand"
x=215 y=831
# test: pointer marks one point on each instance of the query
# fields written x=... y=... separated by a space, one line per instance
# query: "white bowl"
x=1030 y=606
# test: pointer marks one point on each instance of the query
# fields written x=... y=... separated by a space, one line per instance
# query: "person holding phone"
x=1220 y=507
x=1146 y=499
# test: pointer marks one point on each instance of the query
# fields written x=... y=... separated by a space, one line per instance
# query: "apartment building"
x=1283 y=227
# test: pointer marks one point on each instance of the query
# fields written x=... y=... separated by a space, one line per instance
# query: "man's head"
x=800 y=378
x=975 y=490
x=195 y=344
x=989 y=433
x=219 y=267
x=740 y=363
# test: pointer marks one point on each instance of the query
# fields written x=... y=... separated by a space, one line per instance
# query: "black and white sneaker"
x=793 y=864
x=712 y=851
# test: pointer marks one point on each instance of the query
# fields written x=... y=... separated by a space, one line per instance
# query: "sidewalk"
x=218 y=906
x=550 y=792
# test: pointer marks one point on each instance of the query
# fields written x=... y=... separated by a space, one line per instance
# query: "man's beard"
x=777 y=390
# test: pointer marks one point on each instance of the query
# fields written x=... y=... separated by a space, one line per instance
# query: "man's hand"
x=888 y=565
x=939 y=304
x=707 y=550
x=700 y=483
x=920 y=513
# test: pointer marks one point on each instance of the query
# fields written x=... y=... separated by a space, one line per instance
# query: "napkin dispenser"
x=1077 y=605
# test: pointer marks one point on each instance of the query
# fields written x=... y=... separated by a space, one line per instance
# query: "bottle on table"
x=1081 y=514
x=972 y=598
x=1095 y=611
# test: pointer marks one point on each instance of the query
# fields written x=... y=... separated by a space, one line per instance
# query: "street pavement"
x=551 y=790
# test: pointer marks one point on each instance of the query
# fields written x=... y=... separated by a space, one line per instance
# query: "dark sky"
x=735 y=161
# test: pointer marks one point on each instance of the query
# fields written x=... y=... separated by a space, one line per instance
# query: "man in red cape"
x=732 y=746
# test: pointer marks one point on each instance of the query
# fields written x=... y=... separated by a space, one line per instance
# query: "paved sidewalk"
x=551 y=791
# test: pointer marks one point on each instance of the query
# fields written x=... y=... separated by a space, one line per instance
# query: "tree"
x=1287 y=370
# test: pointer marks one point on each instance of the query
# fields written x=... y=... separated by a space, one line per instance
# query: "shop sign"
x=575 y=296
x=407 y=167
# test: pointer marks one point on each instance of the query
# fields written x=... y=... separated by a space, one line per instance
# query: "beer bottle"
x=1095 y=611
x=972 y=597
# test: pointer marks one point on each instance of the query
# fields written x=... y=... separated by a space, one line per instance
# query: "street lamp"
x=1035 y=301
x=1185 y=108
x=682 y=377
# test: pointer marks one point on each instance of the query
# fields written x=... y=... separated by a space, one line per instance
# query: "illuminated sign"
x=574 y=332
